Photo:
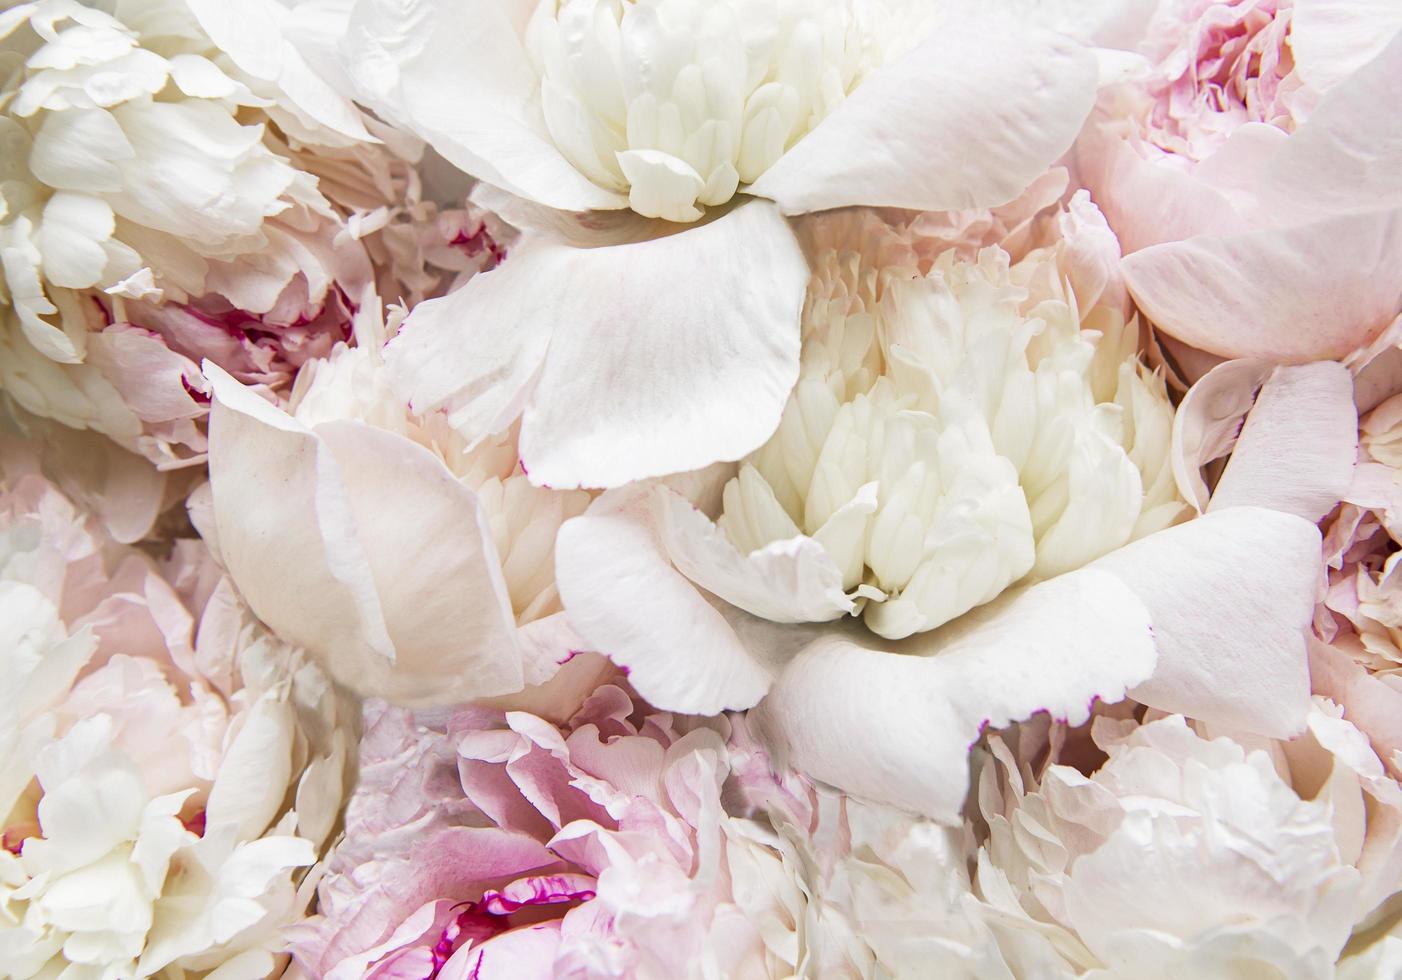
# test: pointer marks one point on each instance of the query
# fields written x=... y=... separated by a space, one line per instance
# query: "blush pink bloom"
x=496 y=845
x=1246 y=168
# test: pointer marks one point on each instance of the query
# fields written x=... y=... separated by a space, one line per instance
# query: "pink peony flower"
x=490 y=844
x=1248 y=173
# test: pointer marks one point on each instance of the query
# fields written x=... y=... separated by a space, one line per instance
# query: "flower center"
x=680 y=102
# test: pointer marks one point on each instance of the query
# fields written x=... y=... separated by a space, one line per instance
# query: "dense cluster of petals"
x=956 y=429
x=170 y=768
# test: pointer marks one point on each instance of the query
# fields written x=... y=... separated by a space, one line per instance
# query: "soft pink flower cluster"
x=872 y=489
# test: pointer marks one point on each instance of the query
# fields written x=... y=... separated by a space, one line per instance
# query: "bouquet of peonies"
x=700 y=489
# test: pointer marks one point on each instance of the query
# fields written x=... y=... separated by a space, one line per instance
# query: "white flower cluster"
x=956 y=430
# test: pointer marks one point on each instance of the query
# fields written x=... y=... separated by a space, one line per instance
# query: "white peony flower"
x=416 y=567
x=965 y=427
x=651 y=342
x=955 y=431
x=1188 y=855
x=169 y=767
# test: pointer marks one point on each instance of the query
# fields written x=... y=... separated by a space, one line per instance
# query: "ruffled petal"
x=1231 y=595
x=1056 y=647
x=967 y=119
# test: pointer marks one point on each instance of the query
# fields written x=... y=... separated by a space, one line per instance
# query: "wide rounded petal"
x=1348 y=154
x=1231 y=594
x=1297 y=449
x=967 y=119
x=896 y=727
x=1331 y=39
x=623 y=595
x=667 y=355
x=456 y=72
x=360 y=546
x=1302 y=293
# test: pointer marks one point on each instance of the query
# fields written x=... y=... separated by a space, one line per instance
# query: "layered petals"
x=635 y=360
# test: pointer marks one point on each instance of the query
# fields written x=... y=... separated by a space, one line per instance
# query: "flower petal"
x=1346 y=157
x=1208 y=422
x=1331 y=39
x=1310 y=291
x=477 y=351
x=1231 y=594
x=406 y=603
x=622 y=594
x=1055 y=647
x=1297 y=449
x=455 y=72
x=790 y=581
x=967 y=119
x=667 y=355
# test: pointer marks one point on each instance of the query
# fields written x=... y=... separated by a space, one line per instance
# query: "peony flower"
x=707 y=122
x=1249 y=177
x=169 y=200
x=1188 y=854
x=502 y=846
x=958 y=433
x=447 y=595
x=953 y=432
x=169 y=767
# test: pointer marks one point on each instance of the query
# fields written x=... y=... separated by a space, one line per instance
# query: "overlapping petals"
x=682 y=344
x=453 y=599
x=1254 y=190
x=170 y=769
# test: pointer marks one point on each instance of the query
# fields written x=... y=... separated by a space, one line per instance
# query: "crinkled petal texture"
x=967 y=119
x=630 y=360
x=408 y=603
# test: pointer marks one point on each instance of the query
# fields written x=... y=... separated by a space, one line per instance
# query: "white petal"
x=622 y=594
x=403 y=601
x=967 y=119
x=1297 y=449
x=791 y=581
x=672 y=354
x=896 y=727
x=1231 y=594
x=455 y=72
x=1331 y=39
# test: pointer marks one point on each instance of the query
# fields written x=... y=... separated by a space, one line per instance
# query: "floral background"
x=511 y=489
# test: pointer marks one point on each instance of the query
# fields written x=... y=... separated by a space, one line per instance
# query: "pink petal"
x=1297 y=449
x=1310 y=291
